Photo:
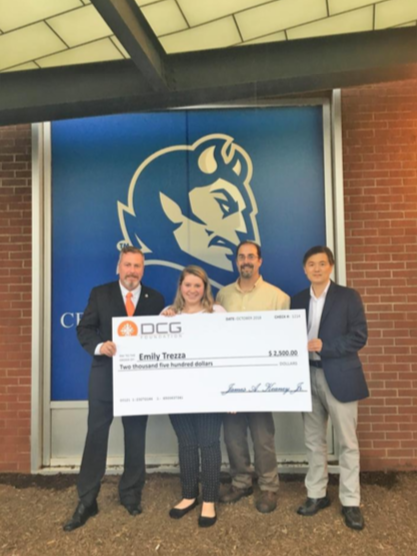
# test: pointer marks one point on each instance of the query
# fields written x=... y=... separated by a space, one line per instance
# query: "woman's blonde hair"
x=207 y=300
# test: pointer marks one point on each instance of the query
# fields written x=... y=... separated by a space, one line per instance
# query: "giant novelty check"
x=206 y=363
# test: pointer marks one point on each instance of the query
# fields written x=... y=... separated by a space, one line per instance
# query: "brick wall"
x=380 y=165
x=15 y=297
x=380 y=170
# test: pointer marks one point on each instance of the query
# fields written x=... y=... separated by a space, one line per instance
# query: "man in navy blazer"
x=95 y=335
x=337 y=330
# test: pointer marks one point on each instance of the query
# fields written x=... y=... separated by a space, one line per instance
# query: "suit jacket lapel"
x=330 y=297
x=118 y=301
x=143 y=299
x=305 y=302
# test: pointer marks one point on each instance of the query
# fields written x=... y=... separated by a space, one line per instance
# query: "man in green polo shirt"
x=251 y=293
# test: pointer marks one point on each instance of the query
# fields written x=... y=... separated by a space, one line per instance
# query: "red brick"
x=15 y=246
x=398 y=419
x=400 y=453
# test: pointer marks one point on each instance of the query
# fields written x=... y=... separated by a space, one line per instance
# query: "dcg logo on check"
x=149 y=328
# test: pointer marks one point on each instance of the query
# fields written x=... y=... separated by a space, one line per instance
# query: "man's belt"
x=316 y=364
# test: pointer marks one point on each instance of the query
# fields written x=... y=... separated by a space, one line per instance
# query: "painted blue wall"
x=93 y=162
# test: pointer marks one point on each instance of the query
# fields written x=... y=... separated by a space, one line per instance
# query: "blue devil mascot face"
x=192 y=204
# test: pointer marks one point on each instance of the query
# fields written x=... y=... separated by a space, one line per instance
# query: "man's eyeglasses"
x=247 y=257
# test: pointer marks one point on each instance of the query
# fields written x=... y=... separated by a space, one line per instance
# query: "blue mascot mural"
x=201 y=222
x=186 y=187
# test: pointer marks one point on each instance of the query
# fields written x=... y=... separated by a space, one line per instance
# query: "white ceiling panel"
x=350 y=22
x=80 y=26
x=77 y=29
x=98 y=51
x=275 y=37
x=394 y=12
x=17 y=13
x=202 y=11
x=218 y=34
x=145 y=2
x=28 y=43
x=277 y=16
x=409 y=24
x=23 y=67
x=338 y=6
x=165 y=17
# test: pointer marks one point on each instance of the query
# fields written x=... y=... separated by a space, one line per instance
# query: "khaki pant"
x=344 y=417
x=262 y=429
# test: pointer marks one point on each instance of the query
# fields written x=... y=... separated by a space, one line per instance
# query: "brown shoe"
x=233 y=494
x=267 y=502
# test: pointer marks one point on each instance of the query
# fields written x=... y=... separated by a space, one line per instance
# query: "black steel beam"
x=239 y=74
x=134 y=32
x=294 y=60
x=68 y=92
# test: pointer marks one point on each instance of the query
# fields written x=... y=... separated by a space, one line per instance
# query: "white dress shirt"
x=314 y=317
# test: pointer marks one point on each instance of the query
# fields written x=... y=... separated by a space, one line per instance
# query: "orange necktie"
x=130 y=308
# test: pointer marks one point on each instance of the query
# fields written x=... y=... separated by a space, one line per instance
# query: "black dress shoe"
x=353 y=517
x=177 y=513
x=206 y=521
x=133 y=509
x=313 y=505
x=81 y=514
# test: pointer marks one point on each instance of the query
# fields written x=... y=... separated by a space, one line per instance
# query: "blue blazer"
x=343 y=331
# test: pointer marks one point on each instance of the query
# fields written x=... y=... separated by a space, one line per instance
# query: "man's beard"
x=131 y=281
x=246 y=271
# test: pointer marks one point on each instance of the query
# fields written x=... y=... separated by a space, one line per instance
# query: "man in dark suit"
x=337 y=330
x=115 y=299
